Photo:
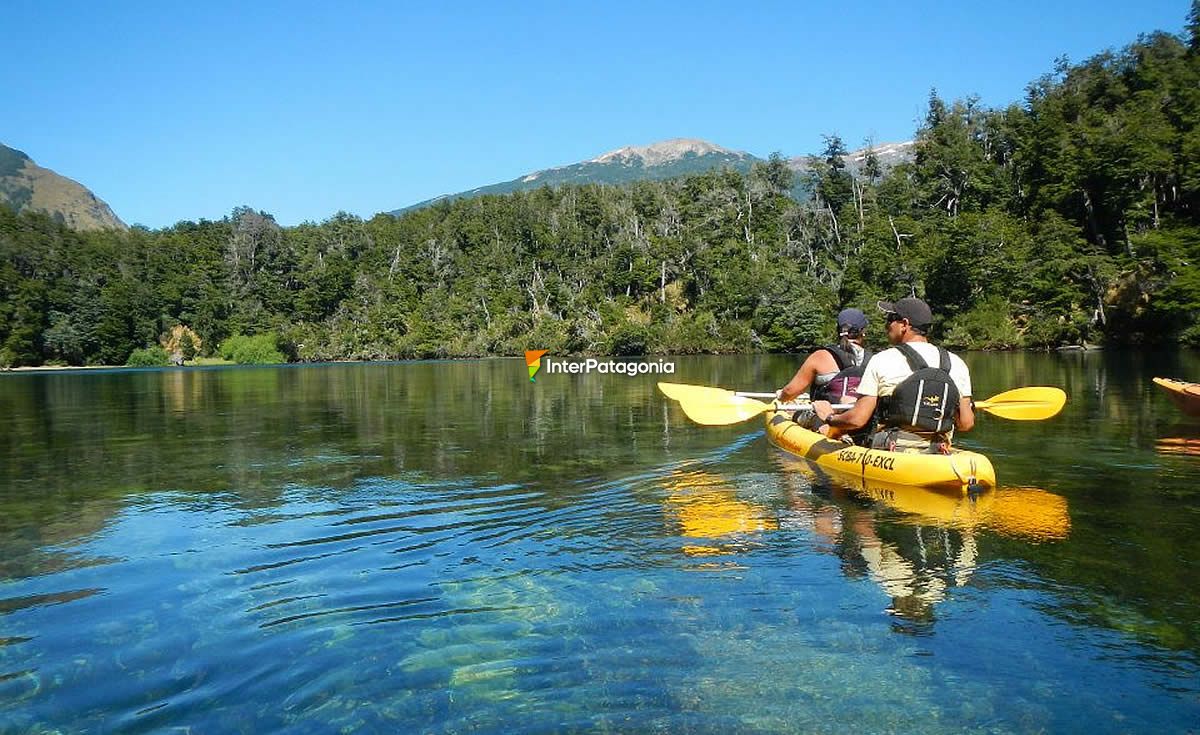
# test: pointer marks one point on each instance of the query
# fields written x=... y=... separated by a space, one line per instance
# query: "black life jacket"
x=845 y=383
x=927 y=400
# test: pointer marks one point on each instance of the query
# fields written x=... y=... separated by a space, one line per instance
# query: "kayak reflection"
x=929 y=546
x=1028 y=513
x=916 y=554
x=1178 y=445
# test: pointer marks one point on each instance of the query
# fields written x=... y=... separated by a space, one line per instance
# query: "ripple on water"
x=684 y=598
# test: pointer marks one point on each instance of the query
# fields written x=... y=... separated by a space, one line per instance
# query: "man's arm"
x=851 y=419
x=964 y=420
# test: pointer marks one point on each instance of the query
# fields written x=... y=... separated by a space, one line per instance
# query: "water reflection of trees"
x=1111 y=394
x=78 y=446
x=248 y=429
x=1123 y=453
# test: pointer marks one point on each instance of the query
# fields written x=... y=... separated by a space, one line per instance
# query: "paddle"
x=719 y=407
x=1025 y=404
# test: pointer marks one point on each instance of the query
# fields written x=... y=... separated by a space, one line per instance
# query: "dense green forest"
x=1072 y=217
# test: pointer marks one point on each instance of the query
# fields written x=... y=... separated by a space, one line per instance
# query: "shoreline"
x=50 y=368
x=61 y=368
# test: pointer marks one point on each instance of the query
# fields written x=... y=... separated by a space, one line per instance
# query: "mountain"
x=26 y=185
x=665 y=160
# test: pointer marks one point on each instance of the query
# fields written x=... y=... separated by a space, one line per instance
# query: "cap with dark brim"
x=916 y=311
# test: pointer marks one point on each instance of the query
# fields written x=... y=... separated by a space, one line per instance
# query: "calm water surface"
x=445 y=547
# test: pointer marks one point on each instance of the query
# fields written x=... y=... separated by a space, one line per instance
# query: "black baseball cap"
x=913 y=309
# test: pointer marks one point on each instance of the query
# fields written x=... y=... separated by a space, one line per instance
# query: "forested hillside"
x=1069 y=217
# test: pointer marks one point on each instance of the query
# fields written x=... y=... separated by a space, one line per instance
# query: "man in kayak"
x=833 y=371
x=918 y=392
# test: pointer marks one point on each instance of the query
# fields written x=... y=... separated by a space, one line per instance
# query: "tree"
x=775 y=176
x=952 y=169
x=872 y=171
x=833 y=182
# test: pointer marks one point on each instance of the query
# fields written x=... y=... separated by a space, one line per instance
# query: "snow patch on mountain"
x=665 y=151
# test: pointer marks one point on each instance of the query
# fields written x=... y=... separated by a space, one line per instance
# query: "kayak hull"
x=958 y=471
x=1186 y=396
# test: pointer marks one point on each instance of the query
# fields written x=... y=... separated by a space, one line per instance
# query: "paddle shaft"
x=719 y=407
x=788 y=406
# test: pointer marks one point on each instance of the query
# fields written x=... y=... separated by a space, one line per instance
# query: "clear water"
x=445 y=547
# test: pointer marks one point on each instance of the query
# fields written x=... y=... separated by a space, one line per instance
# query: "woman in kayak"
x=831 y=373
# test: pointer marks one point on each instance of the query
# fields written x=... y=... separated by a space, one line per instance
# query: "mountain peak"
x=26 y=185
x=664 y=151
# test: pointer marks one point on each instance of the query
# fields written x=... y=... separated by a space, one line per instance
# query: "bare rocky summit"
x=24 y=185
x=666 y=151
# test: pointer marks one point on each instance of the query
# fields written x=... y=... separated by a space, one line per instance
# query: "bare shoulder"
x=822 y=360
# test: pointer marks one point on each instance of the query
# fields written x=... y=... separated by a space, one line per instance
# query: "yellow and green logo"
x=533 y=358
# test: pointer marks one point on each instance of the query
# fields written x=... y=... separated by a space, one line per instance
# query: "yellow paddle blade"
x=713 y=406
x=1025 y=404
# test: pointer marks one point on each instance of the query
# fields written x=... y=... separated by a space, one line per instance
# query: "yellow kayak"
x=1184 y=395
x=959 y=470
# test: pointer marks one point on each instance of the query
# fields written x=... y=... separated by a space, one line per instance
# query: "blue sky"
x=176 y=110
